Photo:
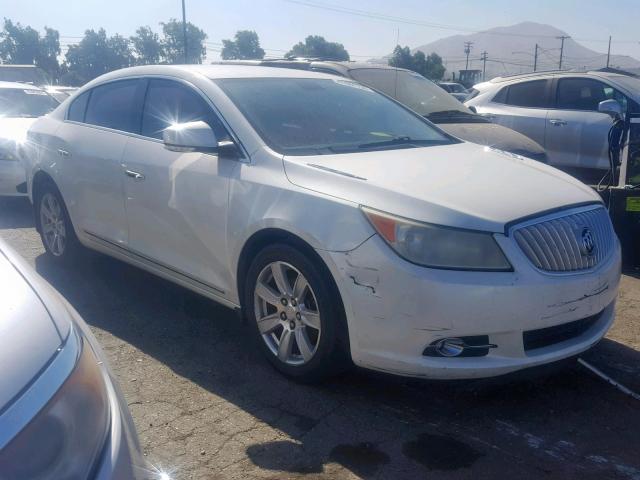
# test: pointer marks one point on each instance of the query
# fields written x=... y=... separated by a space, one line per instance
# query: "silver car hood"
x=462 y=185
x=29 y=338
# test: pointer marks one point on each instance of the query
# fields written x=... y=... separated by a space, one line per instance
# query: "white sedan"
x=345 y=226
x=20 y=105
x=61 y=413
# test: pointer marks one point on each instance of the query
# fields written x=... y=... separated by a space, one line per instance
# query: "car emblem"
x=587 y=242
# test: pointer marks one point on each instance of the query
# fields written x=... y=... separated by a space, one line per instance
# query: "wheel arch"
x=40 y=179
x=269 y=236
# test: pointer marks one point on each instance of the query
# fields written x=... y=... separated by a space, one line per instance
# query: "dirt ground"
x=206 y=405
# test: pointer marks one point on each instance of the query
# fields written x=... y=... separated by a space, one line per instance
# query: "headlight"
x=66 y=437
x=439 y=247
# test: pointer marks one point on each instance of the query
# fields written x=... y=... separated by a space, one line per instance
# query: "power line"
x=410 y=21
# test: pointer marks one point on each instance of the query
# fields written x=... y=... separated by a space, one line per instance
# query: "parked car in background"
x=61 y=412
x=342 y=223
x=24 y=74
x=455 y=89
x=60 y=92
x=424 y=97
x=20 y=105
x=560 y=111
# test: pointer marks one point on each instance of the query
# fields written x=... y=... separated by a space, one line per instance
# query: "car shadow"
x=558 y=424
x=16 y=212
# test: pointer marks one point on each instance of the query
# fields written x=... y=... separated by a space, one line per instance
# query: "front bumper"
x=12 y=177
x=395 y=309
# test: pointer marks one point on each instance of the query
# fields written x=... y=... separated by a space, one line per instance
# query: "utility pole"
x=609 y=51
x=484 y=57
x=562 y=38
x=184 y=32
x=467 y=49
x=535 y=59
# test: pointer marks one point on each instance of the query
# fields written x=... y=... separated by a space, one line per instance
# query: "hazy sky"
x=281 y=23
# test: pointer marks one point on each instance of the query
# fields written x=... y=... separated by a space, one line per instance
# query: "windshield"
x=309 y=116
x=409 y=88
x=456 y=88
x=18 y=102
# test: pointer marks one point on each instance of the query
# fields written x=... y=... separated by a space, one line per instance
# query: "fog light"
x=450 y=347
x=472 y=346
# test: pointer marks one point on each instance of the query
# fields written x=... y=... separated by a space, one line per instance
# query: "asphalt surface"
x=206 y=404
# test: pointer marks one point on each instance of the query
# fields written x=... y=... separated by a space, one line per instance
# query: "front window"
x=19 y=102
x=586 y=94
x=308 y=116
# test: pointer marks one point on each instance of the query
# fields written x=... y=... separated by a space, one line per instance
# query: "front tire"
x=296 y=314
x=54 y=225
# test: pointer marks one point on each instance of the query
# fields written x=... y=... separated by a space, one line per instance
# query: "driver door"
x=176 y=202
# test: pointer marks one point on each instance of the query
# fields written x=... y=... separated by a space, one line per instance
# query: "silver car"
x=61 y=414
x=560 y=111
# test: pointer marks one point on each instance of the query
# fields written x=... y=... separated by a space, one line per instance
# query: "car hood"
x=15 y=128
x=461 y=185
x=495 y=136
x=29 y=338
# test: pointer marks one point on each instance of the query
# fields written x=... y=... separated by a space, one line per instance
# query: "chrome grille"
x=561 y=243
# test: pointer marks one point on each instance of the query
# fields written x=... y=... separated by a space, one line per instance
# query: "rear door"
x=577 y=134
x=93 y=138
x=522 y=107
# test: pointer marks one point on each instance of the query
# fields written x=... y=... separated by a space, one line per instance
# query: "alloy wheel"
x=53 y=225
x=287 y=313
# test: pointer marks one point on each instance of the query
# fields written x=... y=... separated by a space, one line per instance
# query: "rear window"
x=114 y=106
x=528 y=94
x=78 y=107
x=27 y=103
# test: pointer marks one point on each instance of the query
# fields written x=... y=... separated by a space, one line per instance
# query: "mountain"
x=511 y=50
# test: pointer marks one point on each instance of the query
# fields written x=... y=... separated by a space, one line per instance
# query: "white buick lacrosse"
x=345 y=226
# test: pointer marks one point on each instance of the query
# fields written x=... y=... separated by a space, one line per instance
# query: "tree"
x=147 y=47
x=173 y=42
x=245 y=47
x=95 y=55
x=315 y=46
x=24 y=45
x=429 y=66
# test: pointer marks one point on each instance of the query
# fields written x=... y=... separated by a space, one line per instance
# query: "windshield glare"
x=411 y=89
x=17 y=102
x=308 y=116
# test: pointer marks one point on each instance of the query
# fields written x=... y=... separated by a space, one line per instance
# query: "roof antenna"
x=395 y=86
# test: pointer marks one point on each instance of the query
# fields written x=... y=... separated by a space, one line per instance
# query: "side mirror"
x=190 y=137
x=611 y=107
x=472 y=108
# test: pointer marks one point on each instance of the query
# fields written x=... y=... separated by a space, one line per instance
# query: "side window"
x=528 y=94
x=501 y=96
x=168 y=102
x=114 y=106
x=78 y=108
x=585 y=94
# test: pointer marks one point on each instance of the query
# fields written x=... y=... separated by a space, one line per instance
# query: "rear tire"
x=296 y=314
x=54 y=225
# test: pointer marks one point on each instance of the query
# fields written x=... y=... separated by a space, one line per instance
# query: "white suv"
x=560 y=111
x=343 y=224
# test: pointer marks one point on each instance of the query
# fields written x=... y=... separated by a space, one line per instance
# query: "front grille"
x=544 y=337
x=561 y=244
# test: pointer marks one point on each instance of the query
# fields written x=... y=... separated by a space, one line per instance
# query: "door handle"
x=557 y=122
x=137 y=176
x=63 y=153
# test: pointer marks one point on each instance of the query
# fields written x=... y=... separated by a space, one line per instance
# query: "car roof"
x=219 y=71
x=22 y=86
x=309 y=63
x=557 y=73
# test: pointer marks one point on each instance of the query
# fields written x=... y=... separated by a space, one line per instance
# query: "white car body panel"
x=13 y=135
x=193 y=213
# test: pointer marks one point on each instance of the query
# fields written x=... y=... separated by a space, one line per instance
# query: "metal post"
x=535 y=59
x=484 y=57
x=184 y=32
x=562 y=38
x=609 y=51
x=467 y=50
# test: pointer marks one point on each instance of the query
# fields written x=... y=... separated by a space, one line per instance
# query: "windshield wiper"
x=400 y=140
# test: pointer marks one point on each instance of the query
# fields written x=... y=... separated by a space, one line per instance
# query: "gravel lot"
x=206 y=405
